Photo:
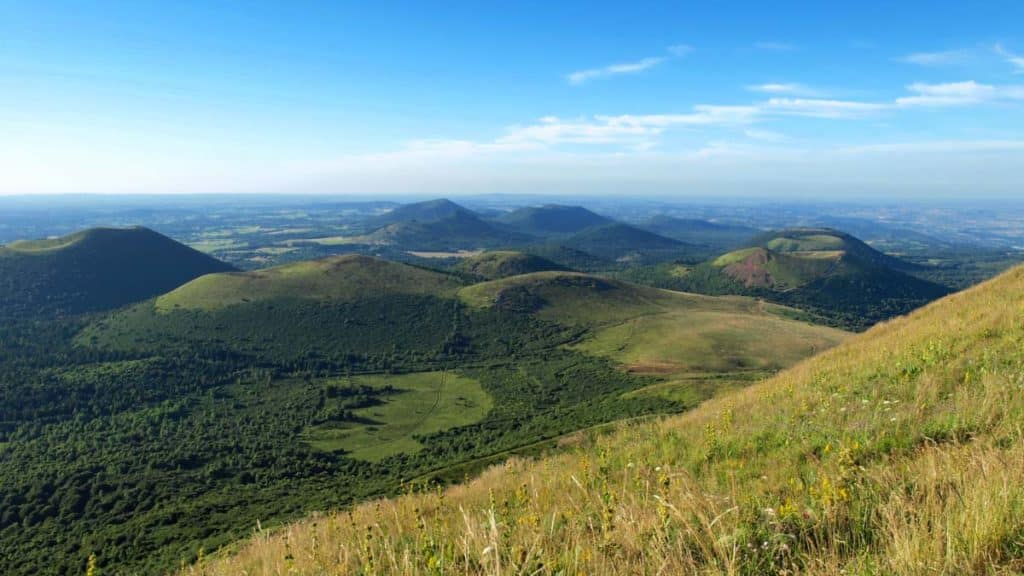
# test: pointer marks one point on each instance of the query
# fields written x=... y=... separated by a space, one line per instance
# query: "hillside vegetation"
x=552 y=219
x=461 y=230
x=268 y=395
x=825 y=272
x=504 y=263
x=625 y=243
x=96 y=269
x=341 y=278
x=898 y=452
x=700 y=232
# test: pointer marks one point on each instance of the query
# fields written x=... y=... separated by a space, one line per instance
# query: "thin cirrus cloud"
x=941 y=58
x=958 y=94
x=583 y=76
x=1015 y=60
x=786 y=88
x=641 y=132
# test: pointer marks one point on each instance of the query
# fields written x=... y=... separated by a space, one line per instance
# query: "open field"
x=422 y=403
x=683 y=340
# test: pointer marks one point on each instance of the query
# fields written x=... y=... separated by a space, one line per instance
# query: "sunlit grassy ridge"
x=347 y=277
x=698 y=344
x=897 y=453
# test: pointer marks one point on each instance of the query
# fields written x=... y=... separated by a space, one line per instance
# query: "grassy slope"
x=699 y=344
x=340 y=278
x=899 y=452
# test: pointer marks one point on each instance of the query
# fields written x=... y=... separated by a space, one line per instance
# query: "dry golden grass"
x=898 y=452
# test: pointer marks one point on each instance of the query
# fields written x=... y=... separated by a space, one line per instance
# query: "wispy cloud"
x=582 y=76
x=622 y=129
x=642 y=133
x=942 y=58
x=680 y=50
x=1015 y=60
x=958 y=94
x=820 y=107
x=788 y=88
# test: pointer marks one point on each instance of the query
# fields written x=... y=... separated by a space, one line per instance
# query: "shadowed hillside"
x=96 y=269
x=623 y=242
x=700 y=232
x=552 y=219
x=461 y=230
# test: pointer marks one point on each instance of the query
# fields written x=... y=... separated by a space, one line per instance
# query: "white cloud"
x=943 y=58
x=820 y=108
x=790 y=88
x=702 y=115
x=622 y=129
x=941 y=146
x=1015 y=60
x=583 y=76
x=552 y=130
x=958 y=94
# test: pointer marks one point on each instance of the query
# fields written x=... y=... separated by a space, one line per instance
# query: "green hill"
x=821 y=270
x=460 y=231
x=687 y=338
x=552 y=219
x=898 y=452
x=348 y=277
x=96 y=269
x=322 y=308
x=501 y=264
x=422 y=212
x=811 y=240
x=700 y=232
x=622 y=242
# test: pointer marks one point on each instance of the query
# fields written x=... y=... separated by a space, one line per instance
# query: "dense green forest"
x=145 y=454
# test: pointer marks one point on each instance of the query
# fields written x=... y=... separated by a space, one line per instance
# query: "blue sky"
x=682 y=98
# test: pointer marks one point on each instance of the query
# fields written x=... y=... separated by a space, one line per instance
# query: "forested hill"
x=96 y=269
